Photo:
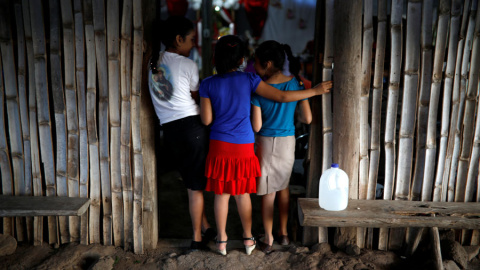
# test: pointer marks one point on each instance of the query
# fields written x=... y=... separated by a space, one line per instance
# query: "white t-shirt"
x=170 y=87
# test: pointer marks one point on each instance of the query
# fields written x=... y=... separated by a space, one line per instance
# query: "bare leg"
x=221 y=213
x=244 y=206
x=197 y=212
x=283 y=203
x=268 y=202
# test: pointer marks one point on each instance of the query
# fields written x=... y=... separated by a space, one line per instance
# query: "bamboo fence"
x=93 y=87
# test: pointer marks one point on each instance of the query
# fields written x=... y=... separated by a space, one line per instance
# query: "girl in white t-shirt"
x=173 y=84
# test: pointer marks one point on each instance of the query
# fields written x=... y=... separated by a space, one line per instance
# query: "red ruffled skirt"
x=231 y=168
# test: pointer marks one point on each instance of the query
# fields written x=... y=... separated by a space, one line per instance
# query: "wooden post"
x=346 y=96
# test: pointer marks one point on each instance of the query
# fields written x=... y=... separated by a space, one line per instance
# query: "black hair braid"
x=293 y=63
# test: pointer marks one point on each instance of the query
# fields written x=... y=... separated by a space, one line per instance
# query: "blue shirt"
x=230 y=96
x=277 y=118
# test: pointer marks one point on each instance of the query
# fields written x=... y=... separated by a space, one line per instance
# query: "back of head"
x=273 y=51
x=229 y=52
x=167 y=32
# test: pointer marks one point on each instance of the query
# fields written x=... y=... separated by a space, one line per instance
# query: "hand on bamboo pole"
x=323 y=87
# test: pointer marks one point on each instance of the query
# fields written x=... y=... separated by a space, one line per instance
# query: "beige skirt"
x=276 y=156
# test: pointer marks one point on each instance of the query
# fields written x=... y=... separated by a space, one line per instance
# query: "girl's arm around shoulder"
x=267 y=91
x=206 y=113
x=256 y=118
x=305 y=112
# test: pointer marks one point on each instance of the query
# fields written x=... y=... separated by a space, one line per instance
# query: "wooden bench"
x=23 y=206
x=394 y=214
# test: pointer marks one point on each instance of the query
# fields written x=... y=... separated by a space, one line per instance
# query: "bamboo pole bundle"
x=138 y=246
x=463 y=85
x=455 y=99
x=59 y=108
x=22 y=99
x=455 y=21
x=470 y=108
x=95 y=187
x=101 y=56
x=43 y=110
x=82 y=115
x=32 y=107
x=423 y=98
x=125 y=138
x=364 y=100
x=391 y=117
x=431 y=146
x=13 y=108
x=6 y=170
x=114 y=113
x=72 y=115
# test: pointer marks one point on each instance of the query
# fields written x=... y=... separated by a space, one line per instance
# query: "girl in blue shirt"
x=232 y=167
x=275 y=142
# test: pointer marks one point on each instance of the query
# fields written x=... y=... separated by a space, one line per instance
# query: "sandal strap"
x=220 y=242
x=250 y=238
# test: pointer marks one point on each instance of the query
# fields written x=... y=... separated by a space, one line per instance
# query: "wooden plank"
x=391 y=214
x=14 y=206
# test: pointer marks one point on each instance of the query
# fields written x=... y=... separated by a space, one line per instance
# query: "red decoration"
x=177 y=7
x=256 y=14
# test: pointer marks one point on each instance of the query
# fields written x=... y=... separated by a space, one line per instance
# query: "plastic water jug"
x=333 y=189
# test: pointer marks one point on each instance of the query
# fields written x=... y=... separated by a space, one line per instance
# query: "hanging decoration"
x=177 y=7
x=257 y=15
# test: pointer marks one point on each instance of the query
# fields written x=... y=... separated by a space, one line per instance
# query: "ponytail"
x=294 y=63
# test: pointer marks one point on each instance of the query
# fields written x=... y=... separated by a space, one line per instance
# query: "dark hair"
x=273 y=51
x=167 y=33
x=229 y=51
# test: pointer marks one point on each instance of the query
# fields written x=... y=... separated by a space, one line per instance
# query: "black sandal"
x=209 y=235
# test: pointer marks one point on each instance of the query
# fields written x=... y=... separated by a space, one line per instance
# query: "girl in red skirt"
x=232 y=167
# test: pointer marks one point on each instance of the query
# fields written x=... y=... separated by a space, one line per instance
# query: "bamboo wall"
x=70 y=123
x=420 y=129
x=73 y=114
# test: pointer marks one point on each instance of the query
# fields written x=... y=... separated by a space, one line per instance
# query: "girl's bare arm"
x=305 y=112
x=256 y=116
x=270 y=92
x=206 y=111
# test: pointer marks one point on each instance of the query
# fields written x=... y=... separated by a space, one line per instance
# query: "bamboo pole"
x=82 y=114
x=395 y=68
x=114 y=115
x=71 y=108
x=463 y=84
x=455 y=100
x=95 y=187
x=13 y=108
x=138 y=246
x=423 y=98
x=43 y=110
x=327 y=71
x=455 y=21
x=6 y=169
x=32 y=107
x=376 y=108
x=364 y=100
x=22 y=99
x=470 y=108
x=431 y=146
x=101 y=57
x=125 y=138
x=59 y=109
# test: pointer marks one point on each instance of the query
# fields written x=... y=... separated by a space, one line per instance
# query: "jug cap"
x=334 y=165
